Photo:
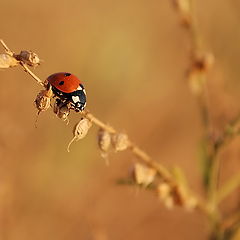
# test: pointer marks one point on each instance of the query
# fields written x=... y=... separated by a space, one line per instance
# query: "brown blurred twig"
x=200 y=63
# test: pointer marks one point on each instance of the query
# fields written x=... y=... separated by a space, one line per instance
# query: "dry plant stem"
x=203 y=106
x=144 y=157
x=214 y=195
x=27 y=70
x=135 y=149
x=231 y=185
x=230 y=221
x=162 y=171
x=97 y=122
x=202 y=100
x=7 y=50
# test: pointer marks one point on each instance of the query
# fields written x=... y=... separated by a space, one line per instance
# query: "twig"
x=164 y=173
x=7 y=50
x=197 y=74
x=135 y=149
x=27 y=70
x=99 y=123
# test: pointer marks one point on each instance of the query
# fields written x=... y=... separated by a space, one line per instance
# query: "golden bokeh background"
x=131 y=56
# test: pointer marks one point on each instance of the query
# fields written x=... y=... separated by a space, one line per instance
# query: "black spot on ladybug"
x=61 y=83
x=67 y=74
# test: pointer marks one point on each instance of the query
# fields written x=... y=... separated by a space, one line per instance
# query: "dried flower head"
x=7 y=61
x=143 y=174
x=80 y=131
x=120 y=141
x=28 y=57
x=43 y=100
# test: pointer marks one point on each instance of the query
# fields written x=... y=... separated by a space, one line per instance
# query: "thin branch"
x=165 y=174
x=7 y=50
x=27 y=70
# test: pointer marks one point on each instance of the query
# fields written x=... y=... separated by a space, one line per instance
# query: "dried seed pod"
x=191 y=203
x=61 y=109
x=104 y=140
x=184 y=9
x=203 y=62
x=164 y=191
x=80 y=131
x=144 y=175
x=104 y=143
x=196 y=82
x=176 y=196
x=120 y=142
x=7 y=61
x=196 y=74
x=43 y=100
x=182 y=197
x=29 y=57
x=180 y=191
x=81 y=128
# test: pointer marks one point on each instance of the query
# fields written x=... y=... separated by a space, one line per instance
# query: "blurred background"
x=132 y=57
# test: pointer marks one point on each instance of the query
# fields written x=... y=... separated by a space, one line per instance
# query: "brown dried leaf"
x=144 y=175
x=80 y=131
x=7 y=61
x=120 y=141
x=28 y=57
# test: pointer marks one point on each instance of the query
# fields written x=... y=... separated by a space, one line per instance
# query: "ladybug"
x=68 y=88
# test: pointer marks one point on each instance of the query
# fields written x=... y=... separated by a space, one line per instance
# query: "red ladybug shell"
x=65 y=82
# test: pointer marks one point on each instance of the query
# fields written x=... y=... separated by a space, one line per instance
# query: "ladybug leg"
x=62 y=102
